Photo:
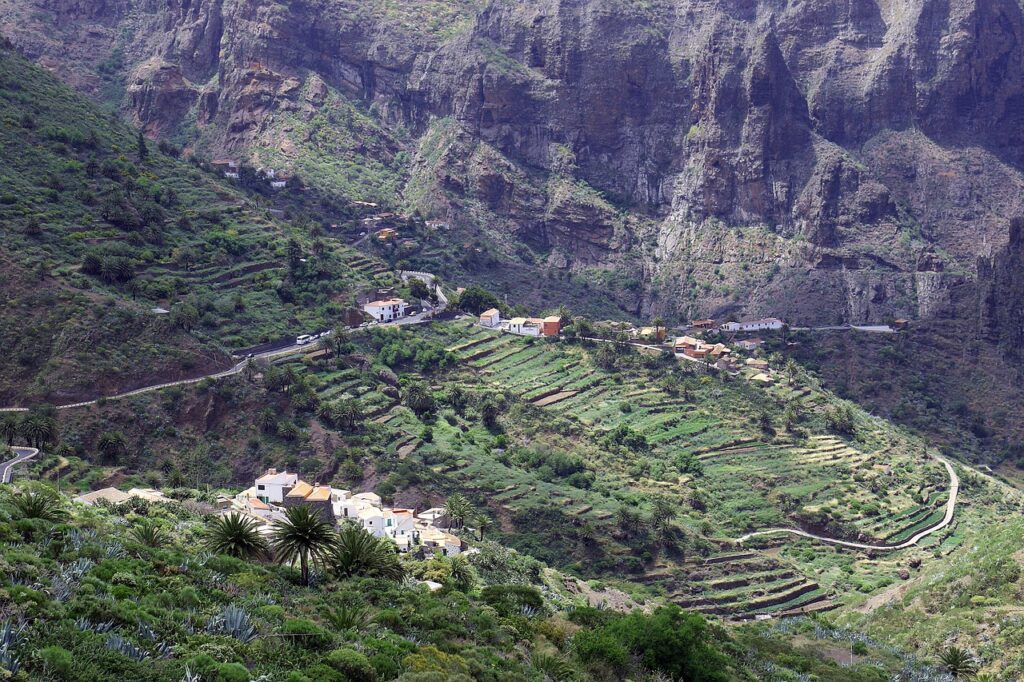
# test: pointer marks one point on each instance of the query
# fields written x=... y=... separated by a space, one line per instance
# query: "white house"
x=525 y=326
x=754 y=325
x=386 y=310
x=490 y=318
x=273 y=486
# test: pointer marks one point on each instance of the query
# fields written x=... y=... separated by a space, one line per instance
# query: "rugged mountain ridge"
x=871 y=150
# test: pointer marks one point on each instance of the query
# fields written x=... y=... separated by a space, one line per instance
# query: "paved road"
x=428 y=279
x=954 y=490
x=420 y=318
x=238 y=367
x=874 y=328
x=20 y=455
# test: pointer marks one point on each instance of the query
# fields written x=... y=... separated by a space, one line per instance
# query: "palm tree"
x=359 y=553
x=149 y=535
x=38 y=504
x=791 y=370
x=461 y=574
x=38 y=429
x=111 y=444
x=659 y=322
x=10 y=427
x=236 y=535
x=958 y=663
x=458 y=509
x=483 y=523
x=302 y=535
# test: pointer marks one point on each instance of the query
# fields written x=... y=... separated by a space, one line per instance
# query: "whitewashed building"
x=387 y=310
x=767 y=323
x=490 y=318
x=272 y=486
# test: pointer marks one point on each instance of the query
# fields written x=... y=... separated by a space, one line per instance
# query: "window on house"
x=261 y=487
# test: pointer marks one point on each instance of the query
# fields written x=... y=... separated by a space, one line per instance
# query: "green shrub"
x=324 y=673
x=306 y=634
x=232 y=672
x=57 y=661
x=354 y=665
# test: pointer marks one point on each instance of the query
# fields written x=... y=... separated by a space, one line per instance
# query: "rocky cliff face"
x=1001 y=292
x=825 y=160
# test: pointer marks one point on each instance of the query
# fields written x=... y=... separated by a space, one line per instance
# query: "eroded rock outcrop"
x=872 y=147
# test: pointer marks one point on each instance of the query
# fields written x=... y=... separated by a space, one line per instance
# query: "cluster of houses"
x=522 y=326
x=230 y=169
x=276 y=491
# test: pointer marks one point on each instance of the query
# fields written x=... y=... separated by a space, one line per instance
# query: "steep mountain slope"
x=613 y=466
x=870 y=150
x=123 y=264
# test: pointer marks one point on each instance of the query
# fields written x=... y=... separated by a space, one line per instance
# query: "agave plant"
x=11 y=637
x=116 y=642
x=86 y=625
x=234 y=621
x=190 y=676
x=145 y=631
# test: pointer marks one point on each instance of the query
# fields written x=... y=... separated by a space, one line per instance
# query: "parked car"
x=304 y=339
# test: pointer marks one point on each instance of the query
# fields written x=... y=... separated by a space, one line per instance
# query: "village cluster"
x=685 y=346
x=272 y=493
x=276 y=491
x=522 y=326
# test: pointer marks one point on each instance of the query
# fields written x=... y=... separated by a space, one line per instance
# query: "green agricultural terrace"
x=580 y=458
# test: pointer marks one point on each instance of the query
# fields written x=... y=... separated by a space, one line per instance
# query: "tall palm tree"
x=359 y=553
x=458 y=509
x=958 y=663
x=38 y=429
x=10 y=427
x=483 y=523
x=236 y=535
x=302 y=535
x=791 y=370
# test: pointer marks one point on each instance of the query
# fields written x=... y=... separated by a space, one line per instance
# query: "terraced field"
x=873 y=491
x=746 y=584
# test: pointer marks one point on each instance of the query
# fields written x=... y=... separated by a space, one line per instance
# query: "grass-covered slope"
x=129 y=593
x=99 y=227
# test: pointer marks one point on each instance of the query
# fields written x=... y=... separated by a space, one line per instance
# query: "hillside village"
x=276 y=491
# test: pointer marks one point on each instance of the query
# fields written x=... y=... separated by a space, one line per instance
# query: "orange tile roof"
x=320 y=493
x=301 y=489
x=257 y=503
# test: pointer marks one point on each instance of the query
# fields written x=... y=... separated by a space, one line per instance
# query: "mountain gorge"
x=826 y=162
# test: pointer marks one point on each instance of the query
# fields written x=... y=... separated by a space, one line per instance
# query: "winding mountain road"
x=238 y=367
x=20 y=455
x=419 y=318
x=954 y=490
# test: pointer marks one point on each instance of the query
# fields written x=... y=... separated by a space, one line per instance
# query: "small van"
x=303 y=340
